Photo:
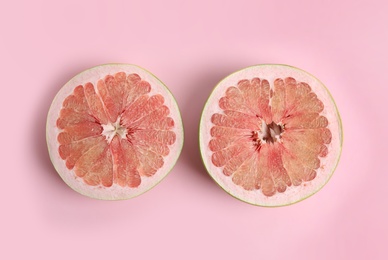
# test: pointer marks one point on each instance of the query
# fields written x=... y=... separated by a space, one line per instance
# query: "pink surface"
x=191 y=46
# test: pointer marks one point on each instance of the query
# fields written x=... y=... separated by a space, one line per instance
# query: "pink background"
x=191 y=46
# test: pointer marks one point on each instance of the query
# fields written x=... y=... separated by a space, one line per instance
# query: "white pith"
x=293 y=193
x=115 y=192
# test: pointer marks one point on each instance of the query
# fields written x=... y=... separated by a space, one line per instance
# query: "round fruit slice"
x=270 y=135
x=114 y=131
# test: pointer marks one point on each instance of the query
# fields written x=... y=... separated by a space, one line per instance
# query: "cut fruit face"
x=270 y=135
x=114 y=131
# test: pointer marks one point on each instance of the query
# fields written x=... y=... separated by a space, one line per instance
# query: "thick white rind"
x=115 y=192
x=293 y=194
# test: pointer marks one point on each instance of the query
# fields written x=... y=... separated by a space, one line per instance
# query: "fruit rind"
x=271 y=72
x=115 y=192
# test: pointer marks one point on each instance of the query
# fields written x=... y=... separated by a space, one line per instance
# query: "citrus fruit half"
x=114 y=131
x=270 y=135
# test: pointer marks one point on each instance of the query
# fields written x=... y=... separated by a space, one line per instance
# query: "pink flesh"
x=122 y=160
x=269 y=166
x=109 y=98
x=126 y=163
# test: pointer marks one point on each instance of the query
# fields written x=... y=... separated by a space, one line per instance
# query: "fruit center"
x=271 y=133
x=112 y=129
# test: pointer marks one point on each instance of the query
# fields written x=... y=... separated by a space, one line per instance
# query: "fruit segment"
x=96 y=107
x=126 y=163
x=143 y=107
x=72 y=133
x=110 y=93
x=95 y=165
x=269 y=136
x=134 y=88
x=249 y=97
x=114 y=132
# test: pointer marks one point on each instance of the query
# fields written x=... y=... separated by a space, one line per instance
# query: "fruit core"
x=110 y=130
x=270 y=133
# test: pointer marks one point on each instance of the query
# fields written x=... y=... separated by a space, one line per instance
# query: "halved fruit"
x=114 y=131
x=270 y=135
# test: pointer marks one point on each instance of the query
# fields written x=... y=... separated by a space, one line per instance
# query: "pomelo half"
x=270 y=135
x=114 y=131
